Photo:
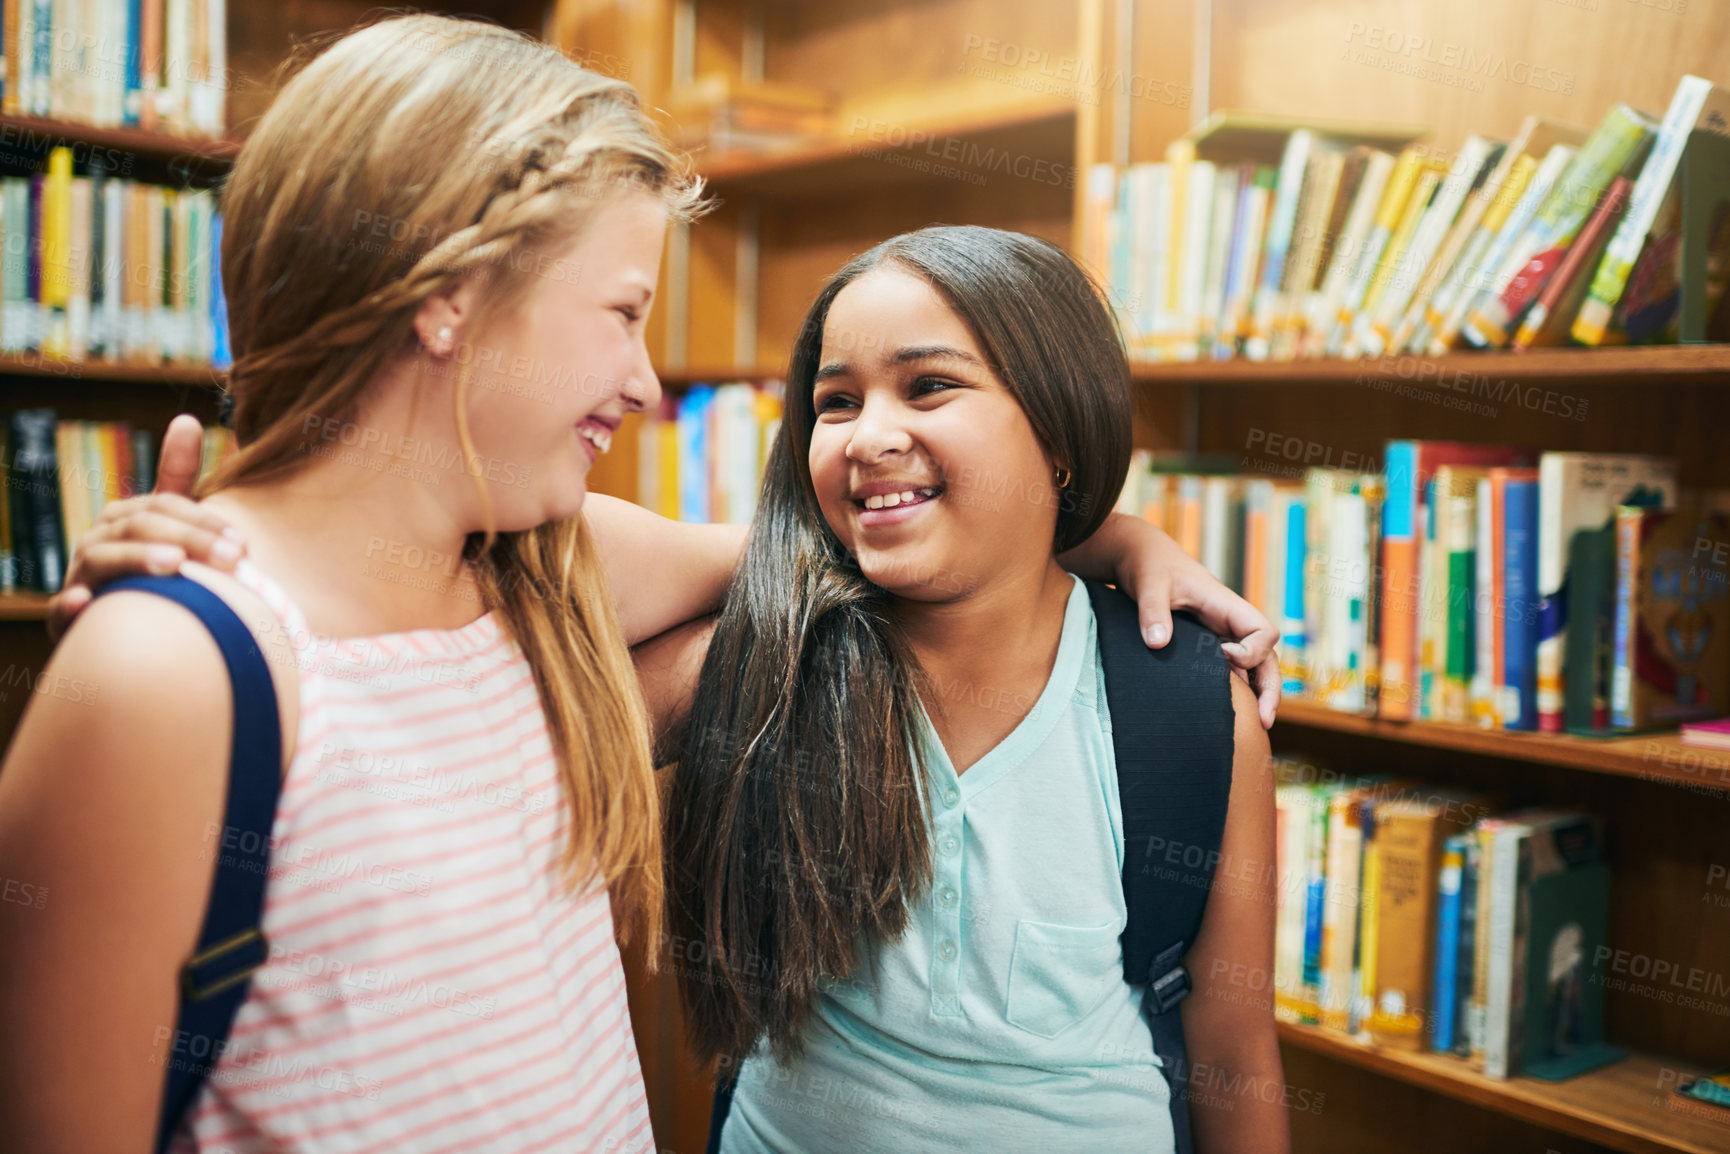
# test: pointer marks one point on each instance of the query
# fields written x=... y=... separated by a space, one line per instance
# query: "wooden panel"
x=802 y=245
x=262 y=36
x=902 y=60
x=1462 y=67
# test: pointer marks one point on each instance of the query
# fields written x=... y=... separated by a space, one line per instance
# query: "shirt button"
x=949 y=846
x=948 y=896
x=946 y=951
x=951 y=796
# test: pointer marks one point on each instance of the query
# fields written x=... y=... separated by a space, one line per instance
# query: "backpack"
x=1172 y=727
x=231 y=946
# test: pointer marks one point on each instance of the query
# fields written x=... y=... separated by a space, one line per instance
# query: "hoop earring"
x=1063 y=476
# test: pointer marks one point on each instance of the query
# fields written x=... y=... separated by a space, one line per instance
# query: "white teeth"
x=908 y=497
x=601 y=439
x=874 y=501
x=890 y=500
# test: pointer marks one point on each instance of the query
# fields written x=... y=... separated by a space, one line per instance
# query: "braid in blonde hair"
x=479 y=143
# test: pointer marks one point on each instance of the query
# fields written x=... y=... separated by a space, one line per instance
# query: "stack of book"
x=106 y=268
x=701 y=457
x=158 y=65
x=1476 y=584
x=1352 y=241
x=60 y=473
x=720 y=114
x=1411 y=917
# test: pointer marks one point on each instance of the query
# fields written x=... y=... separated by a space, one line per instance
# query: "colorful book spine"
x=1519 y=679
x=1695 y=98
x=1486 y=601
x=1293 y=164
x=1539 y=249
x=1293 y=651
x=1448 y=890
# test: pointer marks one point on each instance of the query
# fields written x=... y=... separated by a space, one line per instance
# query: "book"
x=1580 y=491
x=1487 y=600
x=1588 y=655
x=1389 y=212
x=1449 y=887
x=1409 y=469
x=1315 y=207
x=1503 y=257
x=1409 y=834
x=1672 y=611
x=1539 y=247
x=1390 y=269
x=1475 y=158
x=1713 y=734
x=1695 y=103
x=1517 y=707
x=1281 y=221
x=1546 y=323
x=39 y=542
x=1347 y=251
x=1535 y=849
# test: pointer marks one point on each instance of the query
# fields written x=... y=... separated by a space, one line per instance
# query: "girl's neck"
x=363 y=551
x=1002 y=637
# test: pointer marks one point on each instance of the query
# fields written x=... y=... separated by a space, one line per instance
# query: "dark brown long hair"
x=796 y=821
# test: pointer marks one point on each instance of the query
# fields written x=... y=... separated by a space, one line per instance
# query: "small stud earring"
x=1063 y=478
x=444 y=334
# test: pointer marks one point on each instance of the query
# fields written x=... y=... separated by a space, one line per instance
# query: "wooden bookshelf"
x=1626 y=1106
x=1668 y=365
x=36 y=133
x=1656 y=757
x=23 y=607
x=112 y=371
x=876 y=154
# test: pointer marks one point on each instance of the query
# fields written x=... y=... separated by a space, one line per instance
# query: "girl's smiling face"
x=923 y=462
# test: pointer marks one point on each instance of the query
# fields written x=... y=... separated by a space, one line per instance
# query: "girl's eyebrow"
x=904 y=356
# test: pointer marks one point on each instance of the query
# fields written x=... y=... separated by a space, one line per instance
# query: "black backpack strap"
x=231 y=945
x=725 y=1081
x=1172 y=735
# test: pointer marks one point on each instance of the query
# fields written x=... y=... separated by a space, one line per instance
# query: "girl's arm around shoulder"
x=110 y=819
x=668 y=667
x=662 y=573
x=1238 y=1100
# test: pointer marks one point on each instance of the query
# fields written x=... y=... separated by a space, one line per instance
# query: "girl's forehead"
x=888 y=309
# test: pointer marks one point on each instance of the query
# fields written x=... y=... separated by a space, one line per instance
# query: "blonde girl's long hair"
x=408 y=155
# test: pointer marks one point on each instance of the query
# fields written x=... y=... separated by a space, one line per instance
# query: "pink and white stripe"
x=432 y=983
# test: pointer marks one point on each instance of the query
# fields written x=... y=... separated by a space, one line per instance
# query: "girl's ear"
x=443 y=318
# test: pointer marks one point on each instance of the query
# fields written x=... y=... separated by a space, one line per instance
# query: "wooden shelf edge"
x=723 y=168
x=1659 y=757
x=23 y=130
x=1623 y=1106
x=119 y=372
x=1458 y=371
x=23 y=606
x=717 y=375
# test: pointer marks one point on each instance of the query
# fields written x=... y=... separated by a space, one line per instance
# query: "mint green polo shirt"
x=1000 y=1021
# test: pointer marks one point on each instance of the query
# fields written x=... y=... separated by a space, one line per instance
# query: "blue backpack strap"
x=231 y=945
x=1172 y=726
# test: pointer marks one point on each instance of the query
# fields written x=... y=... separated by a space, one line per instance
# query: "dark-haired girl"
x=895 y=830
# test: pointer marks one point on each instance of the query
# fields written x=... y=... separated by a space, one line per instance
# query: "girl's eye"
x=630 y=314
x=832 y=402
x=926 y=386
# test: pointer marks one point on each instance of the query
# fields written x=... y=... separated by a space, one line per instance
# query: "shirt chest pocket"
x=1058 y=974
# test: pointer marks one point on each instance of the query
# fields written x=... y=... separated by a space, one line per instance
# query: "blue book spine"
x=41 y=59
x=1292 y=626
x=1465 y=956
x=694 y=454
x=1520 y=591
x=132 y=102
x=1622 y=672
x=1121 y=216
x=1446 y=966
x=221 y=355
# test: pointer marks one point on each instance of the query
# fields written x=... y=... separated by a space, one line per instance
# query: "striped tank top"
x=431 y=985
